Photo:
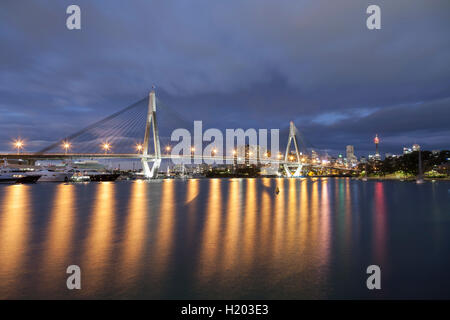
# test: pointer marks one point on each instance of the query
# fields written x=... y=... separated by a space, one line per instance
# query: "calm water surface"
x=226 y=238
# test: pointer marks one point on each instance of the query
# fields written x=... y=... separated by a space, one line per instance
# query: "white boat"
x=49 y=175
x=78 y=176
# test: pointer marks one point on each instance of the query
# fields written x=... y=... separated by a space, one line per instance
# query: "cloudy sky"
x=246 y=63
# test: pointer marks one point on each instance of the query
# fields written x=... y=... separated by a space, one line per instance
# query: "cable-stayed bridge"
x=133 y=133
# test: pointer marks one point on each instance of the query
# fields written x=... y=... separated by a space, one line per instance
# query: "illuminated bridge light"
x=66 y=146
x=19 y=144
x=106 y=147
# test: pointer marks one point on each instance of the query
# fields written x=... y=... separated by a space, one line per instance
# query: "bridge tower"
x=151 y=122
x=292 y=138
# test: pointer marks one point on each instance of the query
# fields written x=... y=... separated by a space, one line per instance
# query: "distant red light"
x=376 y=140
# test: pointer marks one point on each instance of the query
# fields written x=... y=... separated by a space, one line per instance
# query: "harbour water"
x=225 y=239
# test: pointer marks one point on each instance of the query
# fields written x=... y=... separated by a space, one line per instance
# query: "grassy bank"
x=406 y=177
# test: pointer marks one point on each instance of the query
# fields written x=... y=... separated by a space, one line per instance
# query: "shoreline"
x=410 y=179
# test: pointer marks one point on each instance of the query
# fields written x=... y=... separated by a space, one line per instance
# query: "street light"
x=66 y=146
x=168 y=149
x=106 y=146
x=18 y=144
x=139 y=147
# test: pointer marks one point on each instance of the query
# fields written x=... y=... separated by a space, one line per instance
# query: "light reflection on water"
x=133 y=242
x=379 y=239
x=225 y=238
x=59 y=243
x=14 y=233
x=98 y=245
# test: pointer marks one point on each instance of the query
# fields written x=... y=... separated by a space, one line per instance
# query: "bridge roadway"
x=63 y=156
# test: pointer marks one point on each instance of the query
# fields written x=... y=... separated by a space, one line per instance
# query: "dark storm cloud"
x=424 y=123
x=233 y=64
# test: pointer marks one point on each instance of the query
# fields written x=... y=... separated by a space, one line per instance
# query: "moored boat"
x=49 y=175
x=7 y=178
x=102 y=176
x=10 y=176
x=30 y=178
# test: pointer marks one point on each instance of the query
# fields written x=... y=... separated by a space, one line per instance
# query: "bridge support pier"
x=292 y=138
x=152 y=172
x=296 y=174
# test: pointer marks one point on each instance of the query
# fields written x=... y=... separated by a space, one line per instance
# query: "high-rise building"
x=351 y=158
x=350 y=152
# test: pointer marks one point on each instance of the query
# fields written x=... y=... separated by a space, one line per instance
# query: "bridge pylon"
x=292 y=139
x=151 y=123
